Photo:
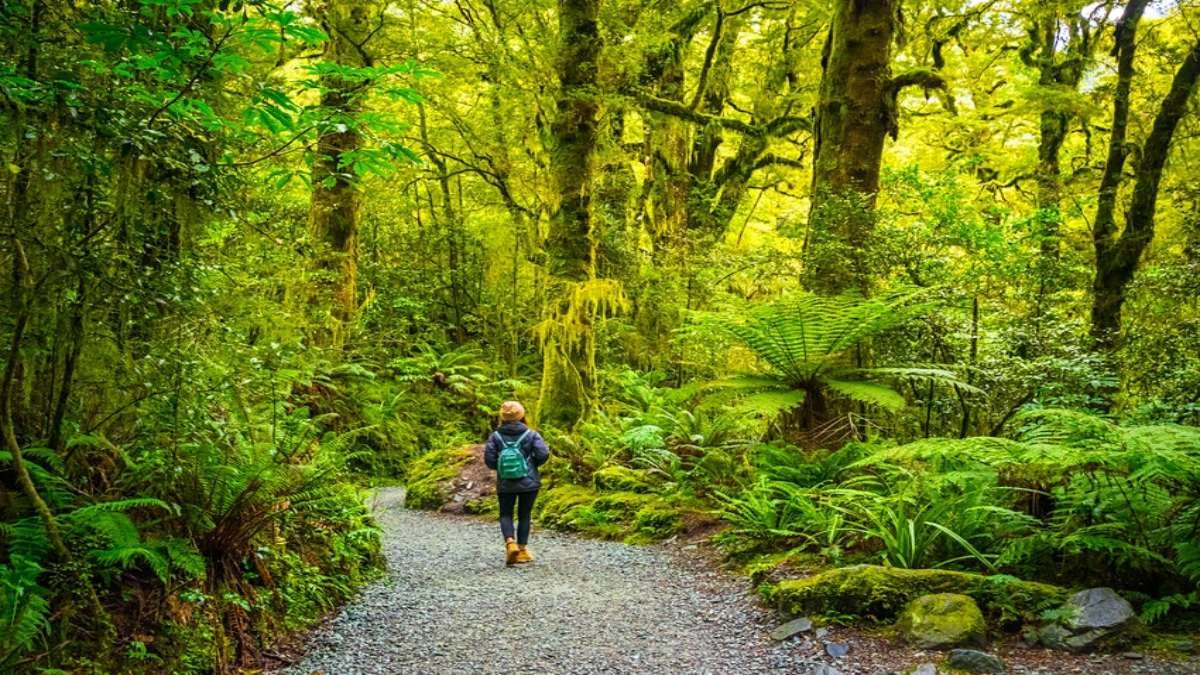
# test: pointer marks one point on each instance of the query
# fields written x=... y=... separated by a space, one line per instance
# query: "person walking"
x=516 y=452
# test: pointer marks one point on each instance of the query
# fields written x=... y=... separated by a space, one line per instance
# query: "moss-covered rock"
x=484 y=506
x=430 y=477
x=942 y=620
x=880 y=593
x=617 y=478
x=632 y=516
x=657 y=520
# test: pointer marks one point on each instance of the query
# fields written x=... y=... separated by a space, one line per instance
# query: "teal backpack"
x=511 y=463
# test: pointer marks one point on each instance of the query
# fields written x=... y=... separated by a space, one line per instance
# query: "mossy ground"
x=430 y=474
x=880 y=593
x=630 y=516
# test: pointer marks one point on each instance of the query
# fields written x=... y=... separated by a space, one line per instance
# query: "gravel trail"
x=449 y=605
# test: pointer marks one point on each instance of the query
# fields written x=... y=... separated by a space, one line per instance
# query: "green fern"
x=812 y=346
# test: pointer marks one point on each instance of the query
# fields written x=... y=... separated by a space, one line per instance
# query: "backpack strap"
x=520 y=439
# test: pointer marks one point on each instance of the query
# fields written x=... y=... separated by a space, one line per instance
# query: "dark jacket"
x=534 y=447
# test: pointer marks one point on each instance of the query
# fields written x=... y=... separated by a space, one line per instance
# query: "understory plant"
x=817 y=355
x=1073 y=498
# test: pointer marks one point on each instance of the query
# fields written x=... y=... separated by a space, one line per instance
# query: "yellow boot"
x=523 y=555
x=512 y=553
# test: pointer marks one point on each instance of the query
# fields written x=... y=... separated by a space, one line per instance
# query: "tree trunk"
x=856 y=111
x=568 y=345
x=1117 y=258
x=853 y=117
x=335 y=210
x=1060 y=64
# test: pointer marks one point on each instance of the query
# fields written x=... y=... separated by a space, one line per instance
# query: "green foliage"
x=196 y=433
x=1074 y=498
x=815 y=349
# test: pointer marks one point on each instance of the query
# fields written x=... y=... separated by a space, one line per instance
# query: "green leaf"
x=867 y=392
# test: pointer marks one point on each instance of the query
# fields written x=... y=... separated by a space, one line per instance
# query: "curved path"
x=449 y=605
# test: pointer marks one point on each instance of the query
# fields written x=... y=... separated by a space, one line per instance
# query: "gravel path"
x=449 y=605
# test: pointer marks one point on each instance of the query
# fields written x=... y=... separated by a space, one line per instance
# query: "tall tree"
x=335 y=208
x=1118 y=255
x=1060 y=48
x=568 y=340
x=855 y=112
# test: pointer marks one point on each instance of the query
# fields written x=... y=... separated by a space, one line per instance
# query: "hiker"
x=515 y=451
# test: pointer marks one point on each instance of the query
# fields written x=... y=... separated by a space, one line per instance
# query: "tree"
x=1061 y=46
x=568 y=340
x=1117 y=256
x=855 y=113
x=335 y=209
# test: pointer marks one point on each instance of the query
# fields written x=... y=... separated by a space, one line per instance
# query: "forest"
x=909 y=284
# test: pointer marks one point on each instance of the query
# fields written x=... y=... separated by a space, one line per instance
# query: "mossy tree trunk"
x=1060 y=47
x=335 y=208
x=568 y=346
x=856 y=111
x=1118 y=255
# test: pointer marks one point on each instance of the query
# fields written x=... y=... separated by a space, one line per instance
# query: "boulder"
x=924 y=669
x=942 y=620
x=1097 y=609
x=1097 y=619
x=793 y=627
x=974 y=661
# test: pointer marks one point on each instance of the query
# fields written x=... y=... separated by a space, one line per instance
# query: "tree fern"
x=812 y=347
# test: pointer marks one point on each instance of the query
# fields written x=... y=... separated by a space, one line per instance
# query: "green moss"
x=776 y=564
x=658 y=520
x=626 y=504
x=632 y=516
x=429 y=475
x=556 y=506
x=880 y=593
x=616 y=478
x=486 y=506
x=942 y=620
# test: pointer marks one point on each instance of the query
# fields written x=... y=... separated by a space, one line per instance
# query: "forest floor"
x=449 y=605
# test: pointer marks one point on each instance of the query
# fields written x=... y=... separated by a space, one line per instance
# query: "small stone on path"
x=837 y=649
x=974 y=661
x=793 y=627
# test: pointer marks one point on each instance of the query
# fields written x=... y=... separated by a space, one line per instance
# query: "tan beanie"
x=511 y=411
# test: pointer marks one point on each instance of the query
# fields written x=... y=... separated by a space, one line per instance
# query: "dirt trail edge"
x=448 y=605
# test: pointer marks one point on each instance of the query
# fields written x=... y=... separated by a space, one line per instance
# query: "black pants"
x=524 y=503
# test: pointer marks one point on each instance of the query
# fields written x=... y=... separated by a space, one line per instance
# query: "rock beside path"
x=974 y=661
x=942 y=620
x=1097 y=619
x=793 y=627
x=1098 y=609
